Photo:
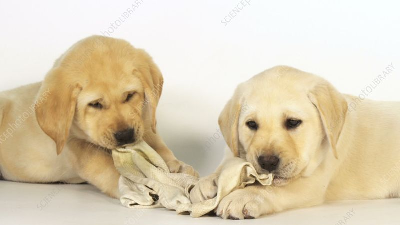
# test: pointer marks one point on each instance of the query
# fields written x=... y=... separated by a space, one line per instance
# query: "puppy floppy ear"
x=332 y=108
x=228 y=122
x=55 y=106
x=152 y=81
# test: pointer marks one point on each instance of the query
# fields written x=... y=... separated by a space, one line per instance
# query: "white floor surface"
x=32 y=204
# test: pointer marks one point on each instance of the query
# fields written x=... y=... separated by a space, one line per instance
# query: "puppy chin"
x=280 y=181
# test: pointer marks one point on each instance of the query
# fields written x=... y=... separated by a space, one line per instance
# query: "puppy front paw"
x=243 y=204
x=206 y=188
x=177 y=166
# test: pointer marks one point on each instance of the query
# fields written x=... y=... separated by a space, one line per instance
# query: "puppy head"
x=283 y=121
x=103 y=90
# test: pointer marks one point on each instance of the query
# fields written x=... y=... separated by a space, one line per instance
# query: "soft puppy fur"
x=100 y=94
x=300 y=128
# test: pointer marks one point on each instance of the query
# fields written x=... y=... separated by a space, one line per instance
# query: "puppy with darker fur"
x=100 y=94
x=299 y=127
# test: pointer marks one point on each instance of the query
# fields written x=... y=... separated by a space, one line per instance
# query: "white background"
x=349 y=43
x=202 y=59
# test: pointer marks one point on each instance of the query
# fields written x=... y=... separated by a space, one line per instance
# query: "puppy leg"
x=256 y=200
x=94 y=165
x=174 y=165
x=205 y=189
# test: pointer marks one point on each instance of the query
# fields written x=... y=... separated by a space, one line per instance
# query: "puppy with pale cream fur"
x=101 y=94
x=299 y=127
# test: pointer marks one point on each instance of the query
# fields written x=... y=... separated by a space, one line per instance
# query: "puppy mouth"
x=110 y=143
x=281 y=176
x=126 y=145
x=107 y=151
x=278 y=179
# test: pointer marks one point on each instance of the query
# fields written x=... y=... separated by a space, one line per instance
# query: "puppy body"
x=368 y=166
x=102 y=93
x=27 y=154
x=336 y=153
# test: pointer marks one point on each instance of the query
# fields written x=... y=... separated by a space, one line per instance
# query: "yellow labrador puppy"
x=300 y=128
x=102 y=93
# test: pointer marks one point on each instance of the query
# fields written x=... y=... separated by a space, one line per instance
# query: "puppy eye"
x=292 y=123
x=96 y=105
x=252 y=125
x=129 y=96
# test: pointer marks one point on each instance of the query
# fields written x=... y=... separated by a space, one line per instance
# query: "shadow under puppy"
x=298 y=127
x=100 y=94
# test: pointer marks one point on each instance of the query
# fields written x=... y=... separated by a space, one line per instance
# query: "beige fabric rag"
x=146 y=182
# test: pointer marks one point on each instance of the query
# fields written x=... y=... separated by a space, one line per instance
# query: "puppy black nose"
x=125 y=136
x=268 y=162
